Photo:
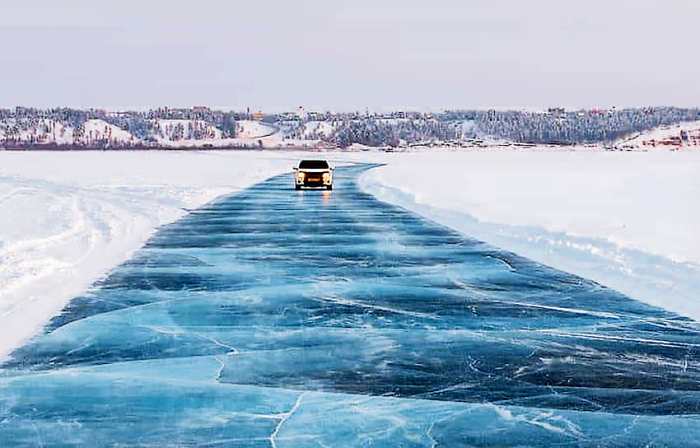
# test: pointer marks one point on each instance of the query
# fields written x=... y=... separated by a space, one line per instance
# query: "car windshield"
x=313 y=164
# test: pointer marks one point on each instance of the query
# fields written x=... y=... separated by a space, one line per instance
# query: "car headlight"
x=326 y=177
x=300 y=176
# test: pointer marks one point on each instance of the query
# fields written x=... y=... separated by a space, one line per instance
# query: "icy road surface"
x=276 y=318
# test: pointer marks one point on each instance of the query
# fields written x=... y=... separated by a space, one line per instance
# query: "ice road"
x=276 y=318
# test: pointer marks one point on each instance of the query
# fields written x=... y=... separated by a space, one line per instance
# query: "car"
x=313 y=173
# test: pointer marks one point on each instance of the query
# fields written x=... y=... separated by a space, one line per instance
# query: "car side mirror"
x=295 y=168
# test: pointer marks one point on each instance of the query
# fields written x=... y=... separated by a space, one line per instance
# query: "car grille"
x=315 y=177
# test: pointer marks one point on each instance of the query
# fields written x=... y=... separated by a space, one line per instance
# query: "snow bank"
x=626 y=220
x=68 y=218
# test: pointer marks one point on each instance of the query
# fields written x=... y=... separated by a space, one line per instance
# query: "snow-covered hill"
x=171 y=132
x=677 y=136
x=319 y=129
x=95 y=131
x=40 y=131
x=49 y=131
x=250 y=129
x=205 y=127
x=188 y=133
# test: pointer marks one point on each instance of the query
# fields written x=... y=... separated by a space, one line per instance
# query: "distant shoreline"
x=81 y=148
x=316 y=148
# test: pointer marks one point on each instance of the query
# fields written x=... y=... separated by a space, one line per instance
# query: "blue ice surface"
x=277 y=318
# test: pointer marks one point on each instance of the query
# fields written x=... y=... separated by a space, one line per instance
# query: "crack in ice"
x=285 y=417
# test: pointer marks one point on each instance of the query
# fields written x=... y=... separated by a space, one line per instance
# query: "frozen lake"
x=278 y=318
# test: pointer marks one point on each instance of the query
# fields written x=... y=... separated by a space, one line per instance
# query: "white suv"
x=313 y=173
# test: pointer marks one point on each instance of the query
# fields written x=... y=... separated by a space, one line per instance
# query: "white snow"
x=61 y=134
x=41 y=131
x=250 y=129
x=52 y=131
x=315 y=129
x=97 y=130
x=168 y=132
x=250 y=134
x=667 y=137
x=626 y=220
x=68 y=218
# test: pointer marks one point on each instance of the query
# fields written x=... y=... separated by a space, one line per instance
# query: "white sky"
x=341 y=55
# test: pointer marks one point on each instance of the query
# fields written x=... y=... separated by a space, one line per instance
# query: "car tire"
x=329 y=187
x=297 y=187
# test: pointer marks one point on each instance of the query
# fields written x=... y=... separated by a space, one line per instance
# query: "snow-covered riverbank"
x=68 y=218
x=626 y=220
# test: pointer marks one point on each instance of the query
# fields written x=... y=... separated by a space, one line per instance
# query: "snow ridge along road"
x=69 y=218
x=279 y=318
x=625 y=220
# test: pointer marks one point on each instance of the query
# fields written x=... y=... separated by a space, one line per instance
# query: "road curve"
x=275 y=318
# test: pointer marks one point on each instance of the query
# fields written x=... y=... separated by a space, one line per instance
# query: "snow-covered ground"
x=43 y=131
x=677 y=136
x=626 y=220
x=172 y=132
x=100 y=130
x=169 y=133
x=316 y=129
x=250 y=133
x=68 y=218
x=251 y=129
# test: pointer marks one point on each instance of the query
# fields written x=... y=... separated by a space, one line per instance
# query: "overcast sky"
x=341 y=55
